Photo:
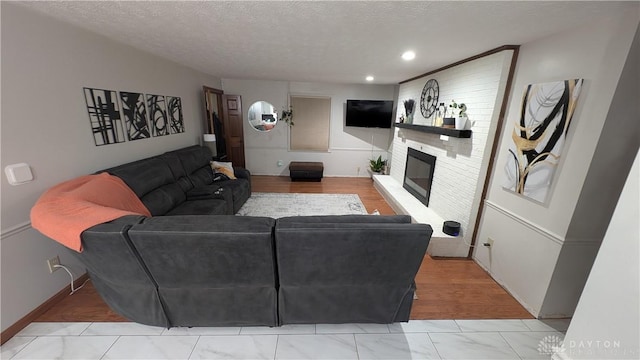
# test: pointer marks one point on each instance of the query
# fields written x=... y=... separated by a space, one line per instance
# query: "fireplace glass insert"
x=418 y=174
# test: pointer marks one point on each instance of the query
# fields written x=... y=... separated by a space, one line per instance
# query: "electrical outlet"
x=280 y=163
x=488 y=243
x=358 y=169
x=52 y=262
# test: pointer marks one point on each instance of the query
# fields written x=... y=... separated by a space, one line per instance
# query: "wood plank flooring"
x=447 y=289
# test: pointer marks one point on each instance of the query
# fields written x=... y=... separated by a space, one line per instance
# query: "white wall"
x=461 y=164
x=528 y=236
x=349 y=148
x=606 y=323
x=45 y=65
x=612 y=158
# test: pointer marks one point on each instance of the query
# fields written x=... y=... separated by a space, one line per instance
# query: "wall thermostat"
x=18 y=174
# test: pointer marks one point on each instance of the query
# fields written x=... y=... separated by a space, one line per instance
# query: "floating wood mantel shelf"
x=436 y=130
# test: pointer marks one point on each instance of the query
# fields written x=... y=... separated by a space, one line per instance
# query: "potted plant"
x=287 y=116
x=461 y=119
x=463 y=110
x=457 y=116
x=377 y=165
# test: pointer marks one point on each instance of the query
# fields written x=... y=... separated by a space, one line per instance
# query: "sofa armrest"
x=242 y=173
x=109 y=254
x=119 y=274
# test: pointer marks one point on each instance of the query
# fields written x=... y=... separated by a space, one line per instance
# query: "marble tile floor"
x=417 y=339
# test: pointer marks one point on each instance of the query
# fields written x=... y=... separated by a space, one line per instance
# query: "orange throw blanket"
x=67 y=209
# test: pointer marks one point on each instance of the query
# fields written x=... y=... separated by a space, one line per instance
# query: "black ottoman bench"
x=306 y=171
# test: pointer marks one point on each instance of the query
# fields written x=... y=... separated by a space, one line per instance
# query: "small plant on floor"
x=377 y=165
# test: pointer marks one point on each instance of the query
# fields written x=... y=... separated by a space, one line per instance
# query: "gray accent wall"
x=45 y=65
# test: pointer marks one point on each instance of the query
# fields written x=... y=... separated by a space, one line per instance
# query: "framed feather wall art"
x=538 y=137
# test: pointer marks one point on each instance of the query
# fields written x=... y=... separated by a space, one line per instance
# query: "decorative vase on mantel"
x=461 y=122
x=440 y=114
x=409 y=106
x=408 y=119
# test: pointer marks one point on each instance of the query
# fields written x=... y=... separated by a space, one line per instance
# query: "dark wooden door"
x=233 y=120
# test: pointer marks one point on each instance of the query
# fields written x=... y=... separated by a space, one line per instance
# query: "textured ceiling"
x=338 y=42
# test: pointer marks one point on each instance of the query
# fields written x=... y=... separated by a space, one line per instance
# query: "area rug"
x=277 y=205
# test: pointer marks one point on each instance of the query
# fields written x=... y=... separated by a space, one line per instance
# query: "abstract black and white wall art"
x=539 y=136
x=158 y=115
x=174 y=111
x=135 y=115
x=104 y=116
x=143 y=116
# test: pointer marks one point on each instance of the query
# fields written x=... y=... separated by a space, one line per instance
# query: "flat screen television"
x=369 y=113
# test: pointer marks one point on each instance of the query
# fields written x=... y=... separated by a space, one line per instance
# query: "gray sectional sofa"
x=181 y=182
x=194 y=263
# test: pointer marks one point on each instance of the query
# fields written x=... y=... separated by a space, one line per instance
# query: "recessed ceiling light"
x=369 y=78
x=408 y=55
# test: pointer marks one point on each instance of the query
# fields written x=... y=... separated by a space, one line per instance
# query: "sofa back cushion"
x=175 y=165
x=152 y=180
x=207 y=250
x=196 y=163
x=347 y=269
x=217 y=269
x=341 y=253
x=345 y=219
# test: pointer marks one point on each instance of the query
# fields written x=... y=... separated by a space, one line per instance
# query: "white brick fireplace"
x=461 y=164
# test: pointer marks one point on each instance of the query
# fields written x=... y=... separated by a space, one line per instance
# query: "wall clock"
x=429 y=98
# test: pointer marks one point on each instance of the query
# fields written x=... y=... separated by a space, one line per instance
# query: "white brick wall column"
x=461 y=164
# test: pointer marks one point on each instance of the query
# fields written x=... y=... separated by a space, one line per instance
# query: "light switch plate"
x=18 y=174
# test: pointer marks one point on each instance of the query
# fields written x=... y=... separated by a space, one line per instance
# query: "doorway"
x=213 y=121
x=223 y=118
x=232 y=120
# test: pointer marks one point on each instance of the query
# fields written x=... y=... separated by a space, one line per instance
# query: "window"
x=312 y=117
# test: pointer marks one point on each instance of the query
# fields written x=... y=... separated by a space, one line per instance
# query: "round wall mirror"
x=262 y=116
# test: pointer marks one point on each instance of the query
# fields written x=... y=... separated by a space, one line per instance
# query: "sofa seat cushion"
x=213 y=191
x=201 y=207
